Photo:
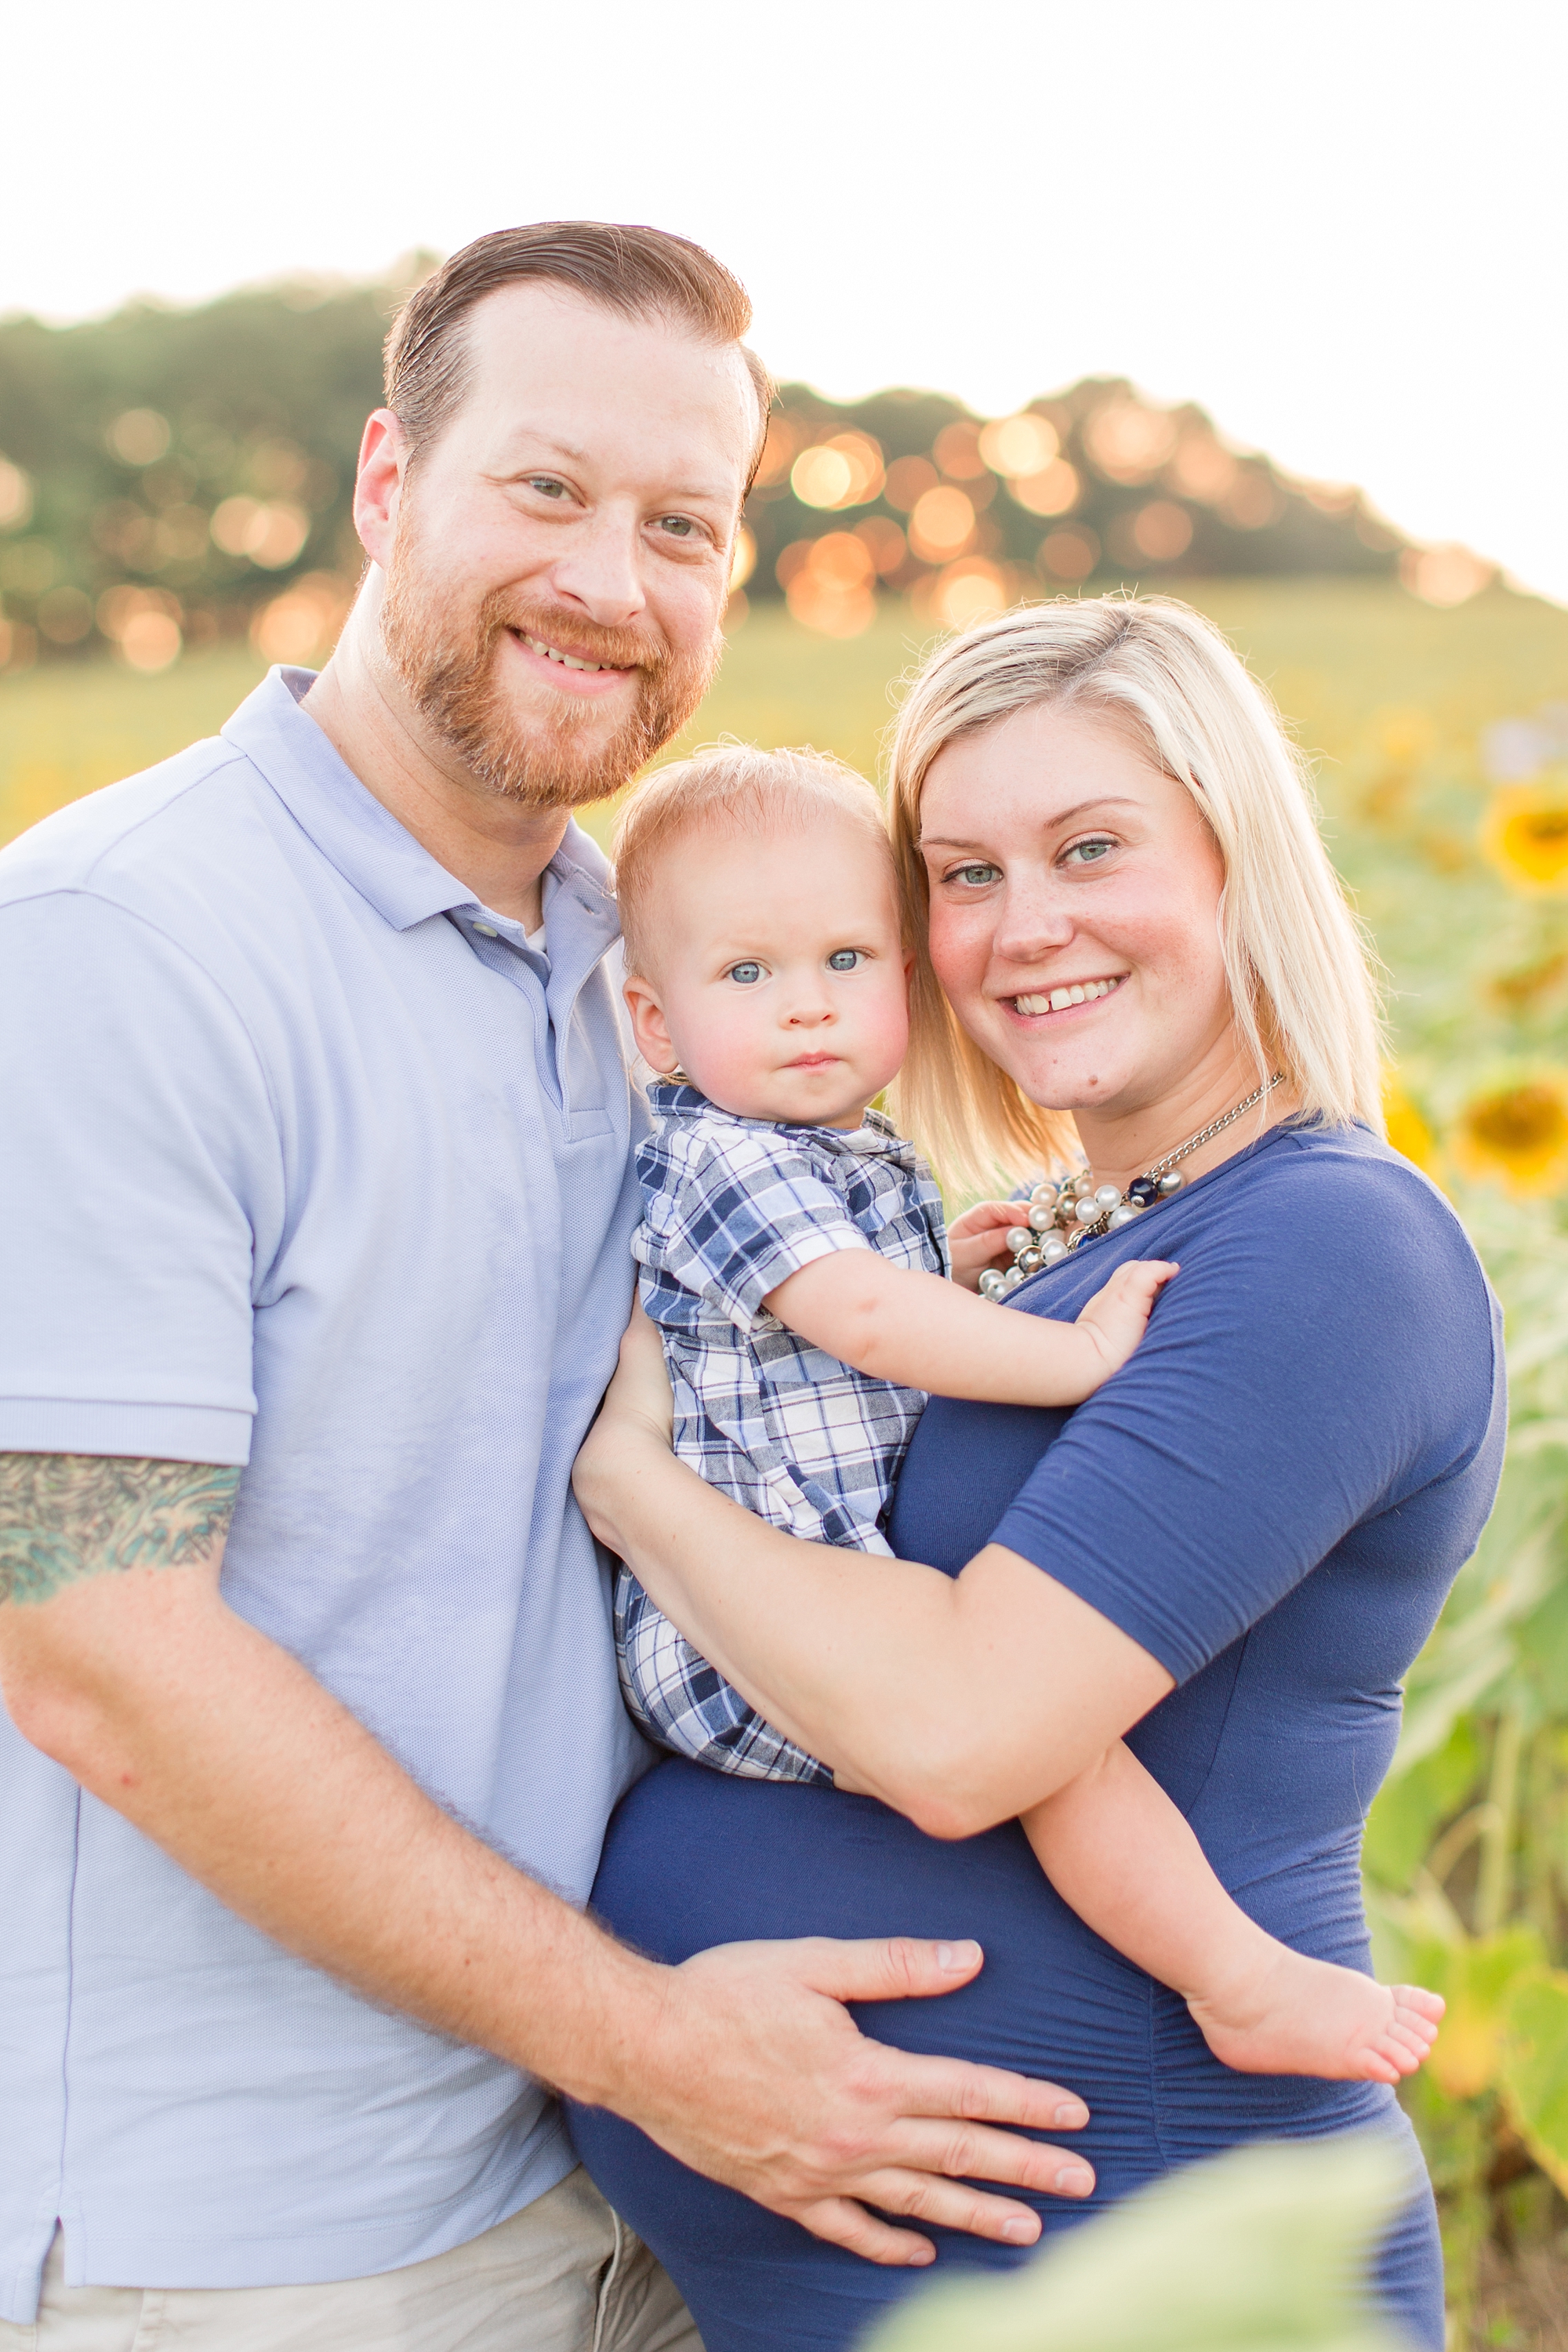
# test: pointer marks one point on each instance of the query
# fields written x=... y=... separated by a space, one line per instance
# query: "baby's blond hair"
x=735 y=786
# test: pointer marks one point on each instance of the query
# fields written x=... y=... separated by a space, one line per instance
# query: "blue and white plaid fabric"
x=733 y=1207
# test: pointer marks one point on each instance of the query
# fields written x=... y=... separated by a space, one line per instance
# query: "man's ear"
x=378 y=484
x=649 y=1026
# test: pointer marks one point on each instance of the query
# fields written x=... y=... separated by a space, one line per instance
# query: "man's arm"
x=119 y=1659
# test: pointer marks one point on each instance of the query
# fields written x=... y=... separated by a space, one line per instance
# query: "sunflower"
x=1407 y=1130
x=1518 y=1134
x=1525 y=835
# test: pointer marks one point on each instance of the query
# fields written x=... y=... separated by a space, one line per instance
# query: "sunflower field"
x=1441 y=742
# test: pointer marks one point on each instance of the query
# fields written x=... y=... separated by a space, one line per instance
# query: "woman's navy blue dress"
x=1272 y=1499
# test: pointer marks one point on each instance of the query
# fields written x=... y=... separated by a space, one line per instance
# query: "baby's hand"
x=1117 y=1316
x=978 y=1239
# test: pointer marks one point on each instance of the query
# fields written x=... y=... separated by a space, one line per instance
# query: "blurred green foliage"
x=1263 y=2250
x=195 y=466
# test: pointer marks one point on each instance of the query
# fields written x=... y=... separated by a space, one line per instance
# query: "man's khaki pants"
x=563 y=2275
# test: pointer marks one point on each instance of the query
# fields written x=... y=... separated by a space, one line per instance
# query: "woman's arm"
x=959 y=1701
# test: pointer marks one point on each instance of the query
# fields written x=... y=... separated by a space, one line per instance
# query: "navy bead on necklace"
x=1060 y=1216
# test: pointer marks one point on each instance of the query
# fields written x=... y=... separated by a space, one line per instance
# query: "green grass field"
x=1335 y=654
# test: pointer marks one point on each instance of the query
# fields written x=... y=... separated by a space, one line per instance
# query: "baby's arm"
x=1115 y=1848
x=899 y=1324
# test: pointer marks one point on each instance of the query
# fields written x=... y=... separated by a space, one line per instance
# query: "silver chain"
x=1216 y=1125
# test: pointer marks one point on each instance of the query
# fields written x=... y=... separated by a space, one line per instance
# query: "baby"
x=795 y=1258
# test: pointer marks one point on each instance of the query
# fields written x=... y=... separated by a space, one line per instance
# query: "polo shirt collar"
x=378 y=857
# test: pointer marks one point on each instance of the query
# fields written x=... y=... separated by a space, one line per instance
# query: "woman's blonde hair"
x=734 y=786
x=1300 y=969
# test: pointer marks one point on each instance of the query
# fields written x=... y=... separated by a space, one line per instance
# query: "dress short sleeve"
x=1328 y=1348
x=141 y=1147
x=733 y=1211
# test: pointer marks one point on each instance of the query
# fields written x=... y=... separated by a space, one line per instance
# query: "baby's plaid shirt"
x=731 y=1208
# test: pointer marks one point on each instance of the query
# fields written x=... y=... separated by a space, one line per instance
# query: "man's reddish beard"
x=448 y=663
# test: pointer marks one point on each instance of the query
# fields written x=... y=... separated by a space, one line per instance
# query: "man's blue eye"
x=844 y=959
x=745 y=973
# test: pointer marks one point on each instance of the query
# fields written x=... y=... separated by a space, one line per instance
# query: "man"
x=313 y=1231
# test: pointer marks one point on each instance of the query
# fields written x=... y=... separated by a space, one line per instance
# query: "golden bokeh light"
x=16 y=497
x=151 y=641
x=942 y=525
x=829 y=583
x=139 y=438
x=1252 y=500
x=908 y=479
x=1055 y=491
x=743 y=562
x=269 y=533
x=1129 y=443
x=957 y=451
x=785 y=441
x=1444 y=575
x=1162 y=530
x=969 y=591
x=301 y=626
x=1021 y=445
x=1070 y=553
x=1525 y=833
x=846 y=471
x=885 y=543
x=1201 y=468
x=1518 y=1136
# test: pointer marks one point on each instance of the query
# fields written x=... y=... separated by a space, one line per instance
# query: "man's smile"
x=571 y=673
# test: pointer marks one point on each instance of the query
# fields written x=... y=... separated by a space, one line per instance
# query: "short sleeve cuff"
x=788 y=1257
x=149 y=1432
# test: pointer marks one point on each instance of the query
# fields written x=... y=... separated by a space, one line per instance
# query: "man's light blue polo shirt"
x=309 y=1163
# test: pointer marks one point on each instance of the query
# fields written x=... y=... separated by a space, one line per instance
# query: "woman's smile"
x=1063 y=996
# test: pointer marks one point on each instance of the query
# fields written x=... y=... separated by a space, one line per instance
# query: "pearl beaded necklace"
x=1059 y=1216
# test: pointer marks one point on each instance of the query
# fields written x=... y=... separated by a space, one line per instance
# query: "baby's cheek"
x=731 y=1057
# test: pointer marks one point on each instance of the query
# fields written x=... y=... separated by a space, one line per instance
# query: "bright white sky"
x=1340 y=226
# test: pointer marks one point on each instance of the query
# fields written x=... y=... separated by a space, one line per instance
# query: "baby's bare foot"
x=1299 y=2016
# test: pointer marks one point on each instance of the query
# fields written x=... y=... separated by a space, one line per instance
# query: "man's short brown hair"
x=643 y=273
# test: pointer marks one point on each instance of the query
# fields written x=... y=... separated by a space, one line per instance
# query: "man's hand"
x=811 y=2118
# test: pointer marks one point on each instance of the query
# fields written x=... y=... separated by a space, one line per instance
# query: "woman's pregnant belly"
x=696 y=1858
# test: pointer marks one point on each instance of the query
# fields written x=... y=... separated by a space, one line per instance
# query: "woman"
x=1231 y=1553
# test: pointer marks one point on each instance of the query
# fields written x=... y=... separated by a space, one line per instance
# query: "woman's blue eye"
x=844 y=959
x=745 y=973
x=1091 y=852
x=547 y=485
x=976 y=876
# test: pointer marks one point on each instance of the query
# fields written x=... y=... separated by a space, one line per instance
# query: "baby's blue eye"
x=844 y=959
x=745 y=973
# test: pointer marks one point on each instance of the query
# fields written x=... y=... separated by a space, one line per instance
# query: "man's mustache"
x=550 y=625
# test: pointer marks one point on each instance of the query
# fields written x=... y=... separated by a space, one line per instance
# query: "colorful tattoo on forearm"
x=64 y=1517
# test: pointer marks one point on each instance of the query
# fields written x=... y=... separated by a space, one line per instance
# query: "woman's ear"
x=653 y=1039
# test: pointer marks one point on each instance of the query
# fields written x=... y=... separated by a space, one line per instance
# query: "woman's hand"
x=977 y=1239
x=637 y=1411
